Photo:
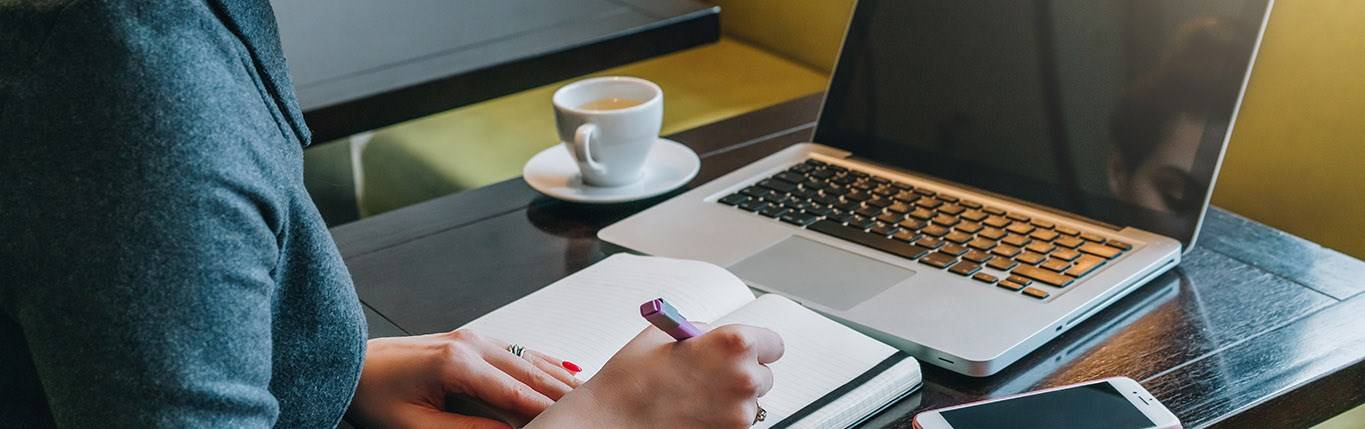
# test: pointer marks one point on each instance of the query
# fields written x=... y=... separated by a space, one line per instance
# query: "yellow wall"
x=1297 y=156
x=806 y=31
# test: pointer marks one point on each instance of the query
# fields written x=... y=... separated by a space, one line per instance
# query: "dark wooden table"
x=1256 y=328
x=358 y=65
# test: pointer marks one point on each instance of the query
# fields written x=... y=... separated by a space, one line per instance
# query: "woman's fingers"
x=555 y=367
x=522 y=369
x=500 y=390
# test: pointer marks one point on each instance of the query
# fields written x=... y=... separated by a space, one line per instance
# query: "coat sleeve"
x=142 y=232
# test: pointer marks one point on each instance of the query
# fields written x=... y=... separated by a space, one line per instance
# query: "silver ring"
x=516 y=349
x=760 y=416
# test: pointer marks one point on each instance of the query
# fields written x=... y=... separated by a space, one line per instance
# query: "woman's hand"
x=405 y=381
x=711 y=381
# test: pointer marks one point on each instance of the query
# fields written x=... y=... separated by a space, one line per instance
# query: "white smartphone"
x=1111 y=403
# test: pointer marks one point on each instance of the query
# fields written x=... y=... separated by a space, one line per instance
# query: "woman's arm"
x=140 y=223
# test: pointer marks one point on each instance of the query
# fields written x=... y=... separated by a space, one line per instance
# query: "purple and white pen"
x=667 y=319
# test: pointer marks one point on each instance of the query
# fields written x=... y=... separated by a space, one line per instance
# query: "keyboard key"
x=893 y=247
x=948 y=198
x=906 y=236
x=805 y=193
x=1006 y=284
x=814 y=185
x=1016 y=240
x=939 y=259
x=868 y=211
x=1042 y=247
x=790 y=177
x=958 y=237
x=799 y=219
x=946 y=220
x=801 y=168
x=734 y=199
x=903 y=186
x=820 y=210
x=847 y=206
x=778 y=185
x=935 y=230
x=1020 y=280
x=884 y=230
x=1069 y=242
x=970 y=204
x=881 y=180
x=981 y=244
x=879 y=202
x=922 y=214
x=993 y=210
x=861 y=222
x=863 y=186
x=984 y=278
x=973 y=215
x=965 y=268
x=1030 y=258
x=952 y=209
x=925 y=192
x=968 y=227
x=992 y=233
x=753 y=205
x=841 y=217
x=1044 y=234
x=836 y=190
x=977 y=256
x=1057 y=265
x=1092 y=237
x=901 y=208
x=858 y=196
x=1100 y=250
x=884 y=192
x=1035 y=292
x=1002 y=264
x=1066 y=254
x=823 y=174
x=928 y=203
x=1018 y=217
x=889 y=217
x=1084 y=265
x=827 y=199
x=1043 y=224
x=906 y=197
x=929 y=243
x=1066 y=230
x=1042 y=275
x=755 y=191
x=1020 y=228
x=1119 y=244
x=953 y=249
x=1005 y=250
x=996 y=222
x=773 y=211
x=815 y=163
x=913 y=223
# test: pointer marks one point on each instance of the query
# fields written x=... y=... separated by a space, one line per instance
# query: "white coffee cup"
x=609 y=124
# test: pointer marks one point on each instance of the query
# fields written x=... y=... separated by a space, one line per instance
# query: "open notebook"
x=830 y=376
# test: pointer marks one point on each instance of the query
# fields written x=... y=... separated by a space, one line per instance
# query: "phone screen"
x=1097 y=405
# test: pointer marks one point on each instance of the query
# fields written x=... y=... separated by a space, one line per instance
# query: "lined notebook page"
x=588 y=316
x=821 y=355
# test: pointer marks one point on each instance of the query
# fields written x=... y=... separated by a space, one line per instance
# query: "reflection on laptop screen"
x=1116 y=110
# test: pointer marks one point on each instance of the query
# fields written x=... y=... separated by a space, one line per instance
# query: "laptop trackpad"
x=809 y=270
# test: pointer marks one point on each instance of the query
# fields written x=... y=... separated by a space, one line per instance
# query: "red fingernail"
x=572 y=367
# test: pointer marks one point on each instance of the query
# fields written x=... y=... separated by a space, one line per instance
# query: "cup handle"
x=582 y=140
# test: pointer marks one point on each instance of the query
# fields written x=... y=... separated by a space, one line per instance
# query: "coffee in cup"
x=609 y=124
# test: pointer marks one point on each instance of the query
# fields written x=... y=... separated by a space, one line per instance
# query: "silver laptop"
x=984 y=174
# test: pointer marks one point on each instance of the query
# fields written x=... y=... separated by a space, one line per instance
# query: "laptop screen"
x=1116 y=110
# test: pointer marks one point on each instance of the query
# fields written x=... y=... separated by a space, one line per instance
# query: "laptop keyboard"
x=1032 y=257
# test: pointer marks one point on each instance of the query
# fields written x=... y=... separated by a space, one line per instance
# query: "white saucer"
x=553 y=172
